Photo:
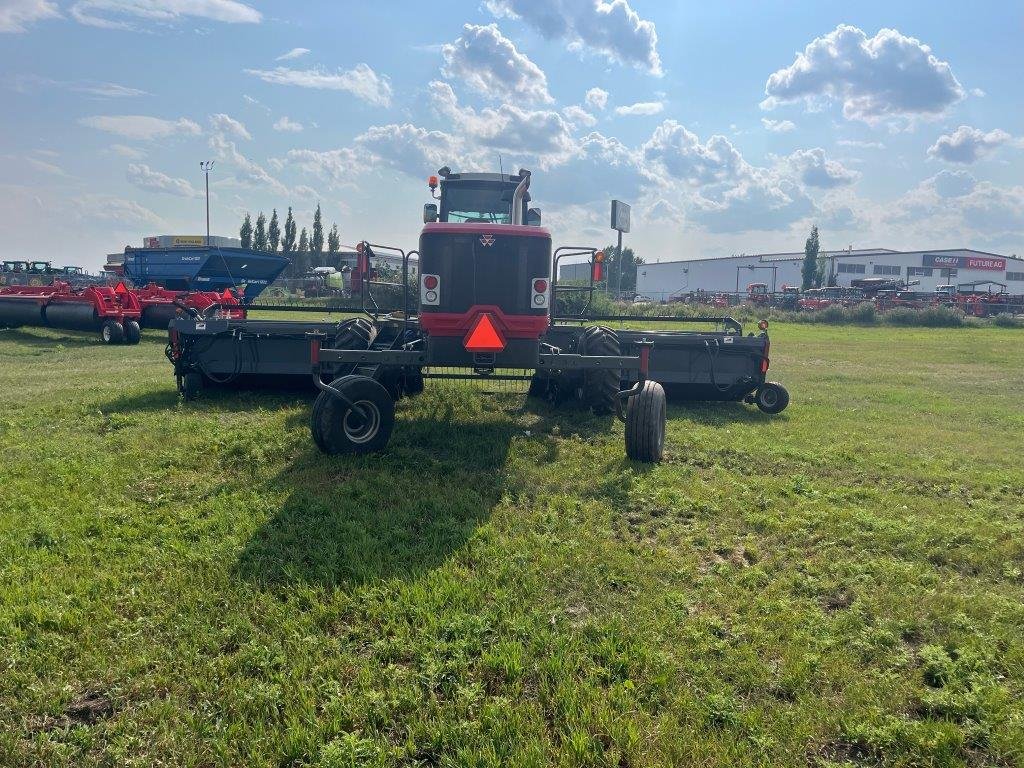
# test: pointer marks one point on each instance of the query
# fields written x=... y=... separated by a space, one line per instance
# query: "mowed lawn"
x=193 y=584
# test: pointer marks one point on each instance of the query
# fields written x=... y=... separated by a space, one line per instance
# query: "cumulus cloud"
x=141 y=127
x=17 y=15
x=335 y=165
x=886 y=77
x=543 y=136
x=361 y=81
x=285 y=123
x=760 y=201
x=608 y=27
x=952 y=183
x=412 y=149
x=578 y=117
x=244 y=171
x=778 y=126
x=967 y=145
x=597 y=98
x=119 y=14
x=143 y=177
x=489 y=63
x=674 y=152
x=816 y=170
x=294 y=53
x=994 y=210
x=228 y=126
x=641 y=108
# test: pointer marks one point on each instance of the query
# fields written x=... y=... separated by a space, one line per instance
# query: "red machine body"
x=160 y=305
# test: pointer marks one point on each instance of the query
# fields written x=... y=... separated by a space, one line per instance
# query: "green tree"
x=316 y=242
x=303 y=241
x=273 y=233
x=245 y=232
x=626 y=266
x=259 y=235
x=288 y=244
x=333 y=240
x=809 y=271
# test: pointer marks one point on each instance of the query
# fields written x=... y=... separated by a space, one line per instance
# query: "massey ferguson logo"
x=487 y=240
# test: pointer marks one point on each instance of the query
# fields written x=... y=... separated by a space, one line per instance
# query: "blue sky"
x=730 y=127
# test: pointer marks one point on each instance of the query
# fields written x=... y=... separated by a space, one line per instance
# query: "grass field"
x=193 y=584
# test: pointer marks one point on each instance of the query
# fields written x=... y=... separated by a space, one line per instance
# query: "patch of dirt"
x=86 y=709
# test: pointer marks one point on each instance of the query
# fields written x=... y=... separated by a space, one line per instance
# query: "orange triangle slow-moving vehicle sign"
x=484 y=336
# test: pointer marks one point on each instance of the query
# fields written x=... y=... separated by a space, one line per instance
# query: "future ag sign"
x=990 y=263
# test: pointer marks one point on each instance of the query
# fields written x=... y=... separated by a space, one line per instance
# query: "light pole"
x=206 y=166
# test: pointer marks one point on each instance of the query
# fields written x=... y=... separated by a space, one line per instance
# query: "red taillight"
x=430 y=282
x=540 y=286
x=598 y=272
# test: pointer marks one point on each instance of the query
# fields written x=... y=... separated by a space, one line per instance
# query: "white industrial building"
x=928 y=269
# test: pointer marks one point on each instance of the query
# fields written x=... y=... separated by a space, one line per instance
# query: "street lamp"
x=206 y=166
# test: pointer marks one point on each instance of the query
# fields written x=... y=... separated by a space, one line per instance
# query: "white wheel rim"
x=106 y=333
x=361 y=430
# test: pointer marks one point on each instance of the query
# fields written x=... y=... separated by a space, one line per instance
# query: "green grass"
x=193 y=584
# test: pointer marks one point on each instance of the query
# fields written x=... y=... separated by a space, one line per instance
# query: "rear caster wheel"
x=645 y=424
x=112 y=332
x=363 y=427
x=190 y=385
x=772 y=397
x=132 y=332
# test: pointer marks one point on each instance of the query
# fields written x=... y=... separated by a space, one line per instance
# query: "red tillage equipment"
x=113 y=312
x=160 y=306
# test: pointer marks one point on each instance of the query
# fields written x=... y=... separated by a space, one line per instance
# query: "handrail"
x=573 y=250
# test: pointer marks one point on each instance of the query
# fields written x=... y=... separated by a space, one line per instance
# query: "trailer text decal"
x=963 y=262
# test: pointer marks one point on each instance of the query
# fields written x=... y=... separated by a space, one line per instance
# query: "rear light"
x=763 y=325
x=430 y=290
x=539 y=297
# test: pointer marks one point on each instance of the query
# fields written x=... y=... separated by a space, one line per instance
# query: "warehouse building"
x=924 y=269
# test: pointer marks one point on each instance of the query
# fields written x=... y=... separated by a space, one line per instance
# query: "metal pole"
x=618 y=293
x=207 y=209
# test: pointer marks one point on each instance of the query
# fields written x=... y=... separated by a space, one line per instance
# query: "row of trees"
x=813 y=271
x=305 y=249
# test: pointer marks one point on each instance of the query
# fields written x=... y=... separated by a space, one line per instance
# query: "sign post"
x=620 y=223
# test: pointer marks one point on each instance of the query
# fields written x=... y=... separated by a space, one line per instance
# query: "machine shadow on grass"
x=353 y=520
x=41 y=341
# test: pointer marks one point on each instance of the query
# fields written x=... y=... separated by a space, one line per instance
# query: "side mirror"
x=533 y=217
x=429 y=213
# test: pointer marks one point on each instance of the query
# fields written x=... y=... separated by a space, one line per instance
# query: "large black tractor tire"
x=132 y=332
x=540 y=387
x=645 y=424
x=339 y=428
x=112 y=332
x=412 y=383
x=772 y=397
x=190 y=385
x=357 y=333
x=601 y=386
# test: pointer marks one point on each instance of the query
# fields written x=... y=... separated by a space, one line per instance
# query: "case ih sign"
x=964 y=262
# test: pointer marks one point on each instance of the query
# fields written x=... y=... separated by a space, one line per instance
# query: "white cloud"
x=361 y=81
x=578 y=117
x=141 y=127
x=143 y=177
x=760 y=202
x=886 y=77
x=778 y=126
x=125 y=151
x=967 y=145
x=294 y=53
x=336 y=165
x=245 y=172
x=29 y=83
x=108 y=208
x=951 y=183
x=597 y=98
x=17 y=15
x=489 y=63
x=676 y=153
x=284 y=123
x=816 y=170
x=412 y=149
x=860 y=144
x=255 y=102
x=228 y=126
x=541 y=136
x=114 y=14
x=641 y=108
x=608 y=27
x=45 y=167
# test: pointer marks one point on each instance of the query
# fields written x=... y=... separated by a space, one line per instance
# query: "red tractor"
x=487 y=306
x=757 y=294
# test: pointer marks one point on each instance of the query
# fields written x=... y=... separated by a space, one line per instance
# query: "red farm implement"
x=114 y=312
